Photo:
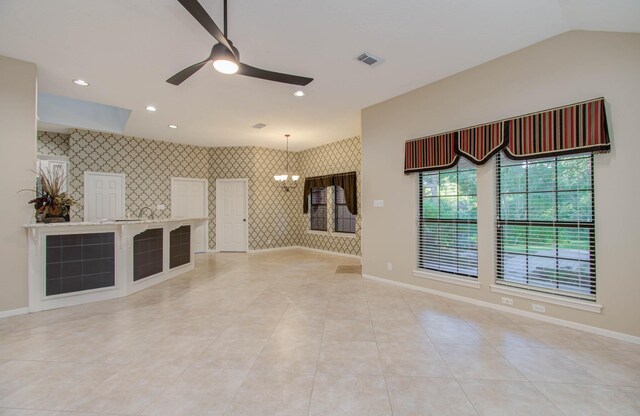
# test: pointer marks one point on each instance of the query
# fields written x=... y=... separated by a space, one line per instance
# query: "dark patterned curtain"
x=346 y=181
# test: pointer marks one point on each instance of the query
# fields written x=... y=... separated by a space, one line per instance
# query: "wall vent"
x=259 y=126
x=367 y=58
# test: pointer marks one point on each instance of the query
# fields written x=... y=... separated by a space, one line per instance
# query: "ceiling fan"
x=224 y=55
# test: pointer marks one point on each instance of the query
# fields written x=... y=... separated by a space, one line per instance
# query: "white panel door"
x=189 y=199
x=103 y=196
x=231 y=214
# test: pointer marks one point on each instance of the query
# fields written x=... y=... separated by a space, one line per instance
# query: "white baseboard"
x=317 y=250
x=335 y=253
x=13 y=312
x=266 y=250
x=557 y=321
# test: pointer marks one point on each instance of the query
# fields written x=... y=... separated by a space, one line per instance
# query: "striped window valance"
x=429 y=153
x=479 y=144
x=578 y=128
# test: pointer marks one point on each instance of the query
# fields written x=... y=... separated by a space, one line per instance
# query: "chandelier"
x=288 y=181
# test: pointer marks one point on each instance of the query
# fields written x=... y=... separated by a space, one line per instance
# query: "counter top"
x=110 y=222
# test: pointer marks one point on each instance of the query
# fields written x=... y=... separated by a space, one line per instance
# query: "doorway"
x=103 y=196
x=190 y=199
x=231 y=214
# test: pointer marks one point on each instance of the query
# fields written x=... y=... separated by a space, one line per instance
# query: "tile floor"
x=282 y=334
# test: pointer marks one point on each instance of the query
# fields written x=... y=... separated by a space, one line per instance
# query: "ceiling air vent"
x=259 y=126
x=369 y=59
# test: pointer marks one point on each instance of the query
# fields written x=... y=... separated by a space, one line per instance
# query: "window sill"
x=447 y=278
x=343 y=235
x=583 y=305
x=317 y=232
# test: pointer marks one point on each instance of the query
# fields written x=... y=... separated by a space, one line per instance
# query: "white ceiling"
x=127 y=49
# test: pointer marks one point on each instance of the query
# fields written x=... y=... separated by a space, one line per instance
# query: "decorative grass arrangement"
x=51 y=203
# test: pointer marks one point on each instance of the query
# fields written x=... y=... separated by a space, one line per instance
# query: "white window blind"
x=545 y=225
x=448 y=230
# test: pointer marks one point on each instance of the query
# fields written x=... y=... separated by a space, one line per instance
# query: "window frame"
x=312 y=208
x=336 y=214
x=466 y=221
x=555 y=224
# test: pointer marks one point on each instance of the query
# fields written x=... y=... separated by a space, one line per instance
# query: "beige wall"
x=562 y=70
x=18 y=89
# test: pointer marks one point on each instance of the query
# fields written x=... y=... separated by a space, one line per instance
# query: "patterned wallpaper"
x=53 y=144
x=336 y=157
x=275 y=216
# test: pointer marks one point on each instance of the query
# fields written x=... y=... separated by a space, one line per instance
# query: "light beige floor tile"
x=478 y=362
x=351 y=308
x=589 y=400
x=198 y=391
x=507 y=398
x=349 y=358
x=348 y=330
x=272 y=393
x=546 y=364
x=349 y=395
x=421 y=396
x=60 y=384
x=447 y=332
x=26 y=412
x=608 y=366
x=395 y=330
x=437 y=312
x=412 y=359
x=296 y=356
x=230 y=353
x=511 y=335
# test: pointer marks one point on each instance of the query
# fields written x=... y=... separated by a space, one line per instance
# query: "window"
x=545 y=227
x=448 y=234
x=319 y=209
x=345 y=220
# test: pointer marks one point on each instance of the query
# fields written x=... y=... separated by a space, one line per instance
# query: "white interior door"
x=103 y=196
x=189 y=199
x=231 y=214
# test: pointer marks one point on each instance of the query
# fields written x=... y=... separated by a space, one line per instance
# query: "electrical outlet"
x=378 y=203
x=389 y=266
x=538 y=308
x=507 y=301
x=161 y=207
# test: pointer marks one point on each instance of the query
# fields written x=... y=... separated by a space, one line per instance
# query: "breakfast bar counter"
x=71 y=263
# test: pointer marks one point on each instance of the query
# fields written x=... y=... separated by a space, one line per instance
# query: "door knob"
x=244 y=219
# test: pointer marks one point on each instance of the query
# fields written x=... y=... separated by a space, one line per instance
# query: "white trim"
x=353 y=256
x=205 y=203
x=318 y=232
x=124 y=187
x=582 y=305
x=317 y=250
x=556 y=321
x=266 y=250
x=447 y=278
x=342 y=234
x=246 y=213
x=14 y=312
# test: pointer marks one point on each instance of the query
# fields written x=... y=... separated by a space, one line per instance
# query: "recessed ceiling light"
x=259 y=126
x=151 y=108
x=299 y=93
x=81 y=82
x=173 y=126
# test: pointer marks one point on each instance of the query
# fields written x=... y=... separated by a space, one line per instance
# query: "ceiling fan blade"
x=179 y=78
x=251 y=71
x=206 y=21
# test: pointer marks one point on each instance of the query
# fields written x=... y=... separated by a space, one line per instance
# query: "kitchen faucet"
x=143 y=209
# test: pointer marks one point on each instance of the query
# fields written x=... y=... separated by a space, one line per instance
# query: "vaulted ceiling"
x=127 y=49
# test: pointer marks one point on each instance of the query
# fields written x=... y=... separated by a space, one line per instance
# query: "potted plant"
x=51 y=203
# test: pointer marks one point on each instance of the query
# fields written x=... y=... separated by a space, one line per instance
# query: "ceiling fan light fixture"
x=223 y=60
